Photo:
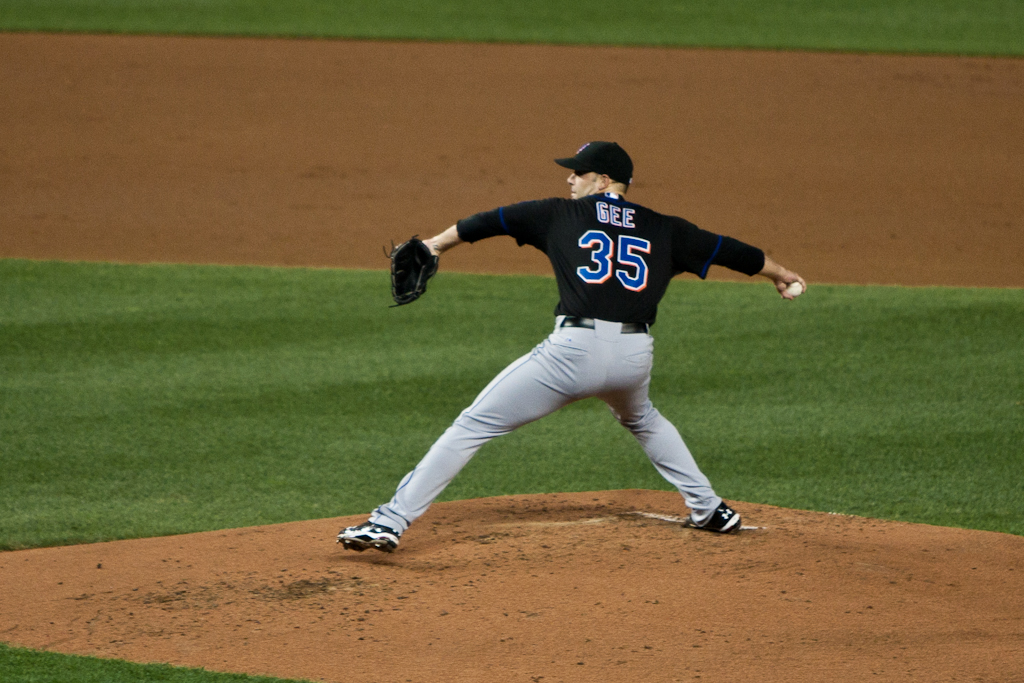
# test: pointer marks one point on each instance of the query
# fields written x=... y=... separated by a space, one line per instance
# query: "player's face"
x=586 y=184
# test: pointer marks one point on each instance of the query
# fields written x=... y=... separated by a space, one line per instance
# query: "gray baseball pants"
x=571 y=364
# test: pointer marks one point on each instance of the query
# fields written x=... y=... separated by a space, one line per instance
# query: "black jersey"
x=612 y=259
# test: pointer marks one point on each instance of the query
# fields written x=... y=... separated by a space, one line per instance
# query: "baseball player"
x=613 y=261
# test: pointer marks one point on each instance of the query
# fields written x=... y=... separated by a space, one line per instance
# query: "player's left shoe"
x=723 y=520
x=369 y=535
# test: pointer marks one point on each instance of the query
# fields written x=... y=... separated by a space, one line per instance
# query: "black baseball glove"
x=412 y=264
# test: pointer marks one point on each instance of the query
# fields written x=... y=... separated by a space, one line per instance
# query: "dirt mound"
x=563 y=587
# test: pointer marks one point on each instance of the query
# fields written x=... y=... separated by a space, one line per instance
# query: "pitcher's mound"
x=561 y=587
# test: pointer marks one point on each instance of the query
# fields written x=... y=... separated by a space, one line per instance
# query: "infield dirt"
x=848 y=168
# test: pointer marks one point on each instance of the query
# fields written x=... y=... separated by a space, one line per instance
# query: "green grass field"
x=149 y=400
x=981 y=27
x=20 y=665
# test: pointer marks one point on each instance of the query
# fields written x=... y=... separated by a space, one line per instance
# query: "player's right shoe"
x=723 y=520
x=369 y=535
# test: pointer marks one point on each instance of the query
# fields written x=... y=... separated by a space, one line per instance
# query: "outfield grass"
x=978 y=27
x=148 y=400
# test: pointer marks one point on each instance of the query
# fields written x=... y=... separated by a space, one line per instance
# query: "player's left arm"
x=782 y=278
x=508 y=220
x=445 y=241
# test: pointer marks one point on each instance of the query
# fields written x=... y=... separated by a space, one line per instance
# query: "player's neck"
x=616 y=189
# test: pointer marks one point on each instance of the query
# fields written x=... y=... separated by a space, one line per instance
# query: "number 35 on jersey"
x=604 y=257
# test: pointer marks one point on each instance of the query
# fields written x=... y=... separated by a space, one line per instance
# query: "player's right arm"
x=696 y=250
x=781 y=277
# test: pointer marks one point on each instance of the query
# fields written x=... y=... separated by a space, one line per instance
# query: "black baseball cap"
x=606 y=158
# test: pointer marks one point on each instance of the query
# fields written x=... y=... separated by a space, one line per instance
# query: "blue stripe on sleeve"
x=501 y=216
x=704 y=271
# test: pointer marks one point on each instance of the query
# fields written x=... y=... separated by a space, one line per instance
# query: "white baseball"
x=795 y=289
